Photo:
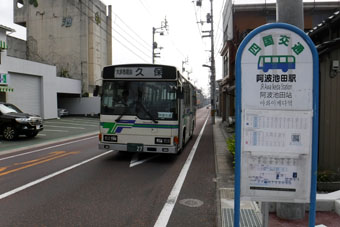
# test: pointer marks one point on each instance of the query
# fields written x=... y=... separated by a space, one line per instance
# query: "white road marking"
x=135 y=161
x=68 y=123
x=55 y=126
x=75 y=120
x=42 y=149
x=165 y=214
x=23 y=187
x=51 y=130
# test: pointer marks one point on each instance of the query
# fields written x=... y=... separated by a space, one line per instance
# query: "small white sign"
x=277 y=131
x=165 y=115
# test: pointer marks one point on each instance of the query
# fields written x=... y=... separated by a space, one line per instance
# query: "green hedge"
x=231 y=146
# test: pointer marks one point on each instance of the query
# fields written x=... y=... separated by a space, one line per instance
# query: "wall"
x=329 y=133
x=82 y=105
x=70 y=34
x=16 y=47
x=70 y=86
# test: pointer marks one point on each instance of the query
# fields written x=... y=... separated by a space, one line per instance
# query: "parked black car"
x=13 y=122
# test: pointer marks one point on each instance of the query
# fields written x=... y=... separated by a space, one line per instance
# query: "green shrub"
x=327 y=176
x=231 y=146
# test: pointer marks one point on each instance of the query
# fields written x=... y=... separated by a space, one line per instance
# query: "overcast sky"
x=132 y=33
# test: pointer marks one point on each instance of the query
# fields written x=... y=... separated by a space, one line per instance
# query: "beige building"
x=73 y=35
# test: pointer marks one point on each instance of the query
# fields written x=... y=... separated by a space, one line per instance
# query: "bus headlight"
x=159 y=140
x=110 y=138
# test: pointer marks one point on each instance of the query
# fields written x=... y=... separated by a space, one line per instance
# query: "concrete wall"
x=70 y=86
x=16 y=47
x=70 y=34
x=82 y=105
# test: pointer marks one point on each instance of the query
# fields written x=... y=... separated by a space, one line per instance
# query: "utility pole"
x=290 y=12
x=213 y=71
x=160 y=30
x=210 y=20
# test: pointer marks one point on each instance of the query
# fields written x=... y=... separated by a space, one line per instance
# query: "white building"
x=31 y=86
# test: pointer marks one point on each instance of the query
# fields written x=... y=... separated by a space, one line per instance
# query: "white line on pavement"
x=135 y=161
x=42 y=149
x=165 y=214
x=4 y=195
x=55 y=126
x=51 y=130
x=68 y=123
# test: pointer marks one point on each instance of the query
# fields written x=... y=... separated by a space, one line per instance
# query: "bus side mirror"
x=97 y=90
x=180 y=94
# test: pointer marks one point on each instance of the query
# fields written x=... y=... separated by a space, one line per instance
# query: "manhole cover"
x=191 y=202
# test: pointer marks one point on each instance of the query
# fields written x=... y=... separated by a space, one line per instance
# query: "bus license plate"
x=135 y=147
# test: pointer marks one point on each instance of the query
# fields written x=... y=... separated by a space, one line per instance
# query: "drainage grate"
x=248 y=218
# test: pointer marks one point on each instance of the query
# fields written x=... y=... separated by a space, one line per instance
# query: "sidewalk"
x=327 y=205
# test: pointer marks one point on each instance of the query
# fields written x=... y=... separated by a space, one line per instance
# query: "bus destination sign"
x=139 y=72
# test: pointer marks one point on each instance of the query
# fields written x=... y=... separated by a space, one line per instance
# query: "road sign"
x=276 y=115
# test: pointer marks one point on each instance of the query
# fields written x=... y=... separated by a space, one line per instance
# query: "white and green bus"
x=146 y=108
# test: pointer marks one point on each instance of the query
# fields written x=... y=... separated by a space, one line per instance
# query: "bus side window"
x=291 y=59
x=267 y=60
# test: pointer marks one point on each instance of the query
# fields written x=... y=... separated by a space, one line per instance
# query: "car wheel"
x=9 y=132
x=31 y=134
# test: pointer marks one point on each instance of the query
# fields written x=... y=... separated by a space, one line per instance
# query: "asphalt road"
x=75 y=184
x=54 y=130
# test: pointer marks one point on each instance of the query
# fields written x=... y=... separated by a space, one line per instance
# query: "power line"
x=132 y=37
x=218 y=33
x=100 y=26
x=130 y=50
x=146 y=8
x=138 y=35
x=130 y=43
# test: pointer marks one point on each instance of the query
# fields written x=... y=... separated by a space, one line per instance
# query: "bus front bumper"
x=145 y=148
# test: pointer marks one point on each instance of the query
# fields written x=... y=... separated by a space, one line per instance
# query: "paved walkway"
x=328 y=205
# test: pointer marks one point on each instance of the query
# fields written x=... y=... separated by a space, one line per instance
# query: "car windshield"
x=146 y=100
x=9 y=108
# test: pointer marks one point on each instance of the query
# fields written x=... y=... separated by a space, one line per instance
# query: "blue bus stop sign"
x=277 y=93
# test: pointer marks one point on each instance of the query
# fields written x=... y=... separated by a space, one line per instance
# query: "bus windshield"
x=146 y=100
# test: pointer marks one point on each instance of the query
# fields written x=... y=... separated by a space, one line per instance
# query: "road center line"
x=46 y=148
x=23 y=187
x=31 y=163
x=165 y=214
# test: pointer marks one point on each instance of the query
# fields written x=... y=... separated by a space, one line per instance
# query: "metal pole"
x=153 y=45
x=265 y=213
x=290 y=12
x=213 y=83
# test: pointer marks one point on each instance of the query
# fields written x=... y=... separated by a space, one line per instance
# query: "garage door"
x=26 y=94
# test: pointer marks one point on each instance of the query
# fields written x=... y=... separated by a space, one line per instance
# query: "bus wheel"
x=183 y=143
x=192 y=129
